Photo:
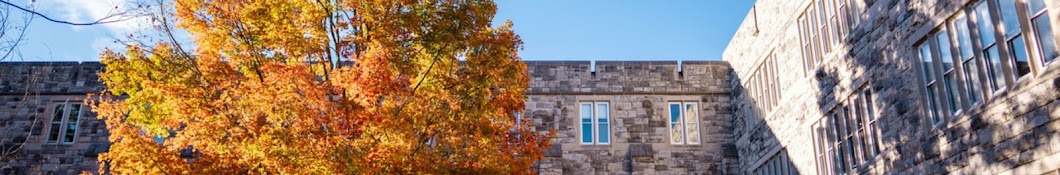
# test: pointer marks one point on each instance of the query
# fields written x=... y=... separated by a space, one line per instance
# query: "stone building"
x=653 y=117
x=897 y=87
x=45 y=126
x=805 y=87
x=658 y=117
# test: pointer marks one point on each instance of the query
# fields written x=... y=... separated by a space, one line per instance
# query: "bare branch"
x=114 y=17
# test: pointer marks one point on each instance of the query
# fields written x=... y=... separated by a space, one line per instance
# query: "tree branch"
x=104 y=20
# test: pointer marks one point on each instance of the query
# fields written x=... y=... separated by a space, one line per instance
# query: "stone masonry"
x=27 y=92
x=638 y=92
x=1013 y=131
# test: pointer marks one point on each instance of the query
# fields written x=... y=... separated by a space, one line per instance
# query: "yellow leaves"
x=323 y=87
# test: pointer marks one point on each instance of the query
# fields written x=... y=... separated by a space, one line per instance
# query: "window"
x=1014 y=37
x=994 y=69
x=958 y=72
x=595 y=123
x=823 y=25
x=966 y=54
x=63 y=126
x=847 y=138
x=763 y=88
x=928 y=69
x=776 y=80
x=949 y=74
x=1043 y=30
x=778 y=164
x=809 y=59
x=684 y=123
x=518 y=117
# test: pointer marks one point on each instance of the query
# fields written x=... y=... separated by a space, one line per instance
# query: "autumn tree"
x=320 y=87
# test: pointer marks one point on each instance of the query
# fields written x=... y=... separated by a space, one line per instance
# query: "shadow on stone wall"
x=760 y=140
x=986 y=137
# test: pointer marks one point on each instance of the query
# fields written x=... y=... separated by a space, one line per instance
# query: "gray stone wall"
x=27 y=93
x=1014 y=132
x=638 y=93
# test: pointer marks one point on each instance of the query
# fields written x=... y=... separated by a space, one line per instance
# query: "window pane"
x=693 y=133
x=934 y=111
x=853 y=158
x=951 y=92
x=928 y=66
x=1036 y=6
x=58 y=113
x=602 y=112
x=964 y=38
x=71 y=130
x=870 y=112
x=586 y=111
x=75 y=111
x=691 y=123
x=1008 y=17
x=587 y=133
x=1019 y=55
x=972 y=75
x=602 y=123
x=993 y=61
x=675 y=133
x=1045 y=38
x=945 y=55
x=675 y=112
x=985 y=23
x=53 y=133
x=690 y=113
x=605 y=133
x=840 y=159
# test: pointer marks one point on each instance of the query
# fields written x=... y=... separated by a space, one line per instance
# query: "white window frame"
x=64 y=122
x=595 y=122
x=684 y=123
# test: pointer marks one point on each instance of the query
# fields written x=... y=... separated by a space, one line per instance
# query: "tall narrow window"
x=778 y=164
x=64 y=122
x=833 y=21
x=1014 y=38
x=807 y=44
x=777 y=91
x=822 y=26
x=845 y=17
x=994 y=69
x=595 y=123
x=847 y=138
x=1043 y=30
x=967 y=57
x=949 y=75
x=928 y=68
x=684 y=123
x=814 y=36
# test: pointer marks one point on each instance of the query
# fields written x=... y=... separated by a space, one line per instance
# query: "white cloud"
x=82 y=11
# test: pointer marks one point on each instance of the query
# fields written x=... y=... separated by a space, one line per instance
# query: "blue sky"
x=551 y=29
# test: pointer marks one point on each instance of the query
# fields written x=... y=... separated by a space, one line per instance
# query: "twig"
x=103 y=20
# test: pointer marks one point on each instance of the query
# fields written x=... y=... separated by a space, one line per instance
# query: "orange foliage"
x=322 y=87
